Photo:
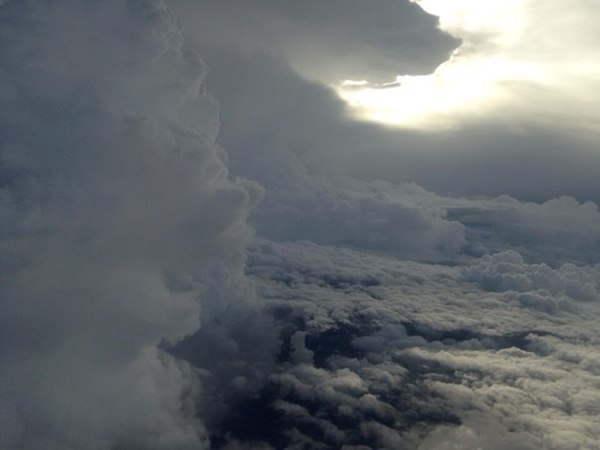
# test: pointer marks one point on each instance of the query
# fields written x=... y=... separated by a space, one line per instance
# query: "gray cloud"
x=483 y=158
x=556 y=231
x=301 y=206
x=422 y=358
x=327 y=41
x=118 y=218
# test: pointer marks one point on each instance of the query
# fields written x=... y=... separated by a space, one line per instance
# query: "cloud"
x=484 y=159
x=301 y=206
x=300 y=147
x=385 y=303
x=119 y=220
x=556 y=231
x=354 y=39
x=421 y=358
x=506 y=271
x=510 y=67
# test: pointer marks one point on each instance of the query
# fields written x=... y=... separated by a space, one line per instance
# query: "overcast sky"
x=272 y=224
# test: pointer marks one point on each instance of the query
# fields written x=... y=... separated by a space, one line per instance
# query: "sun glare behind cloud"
x=505 y=44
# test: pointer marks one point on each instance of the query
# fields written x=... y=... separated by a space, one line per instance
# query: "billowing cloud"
x=535 y=286
x=267 y=108
x=507 y=271
x=301 y=206
x=327 y=41
x=118 y=217
x=413 y=355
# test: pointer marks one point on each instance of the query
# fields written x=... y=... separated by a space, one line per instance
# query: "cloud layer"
x=388 y=353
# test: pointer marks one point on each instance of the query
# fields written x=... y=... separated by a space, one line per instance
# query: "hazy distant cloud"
x=557 y=231
x=411 y=222
x=483 y=159
x=299 y=206
x=535 y=286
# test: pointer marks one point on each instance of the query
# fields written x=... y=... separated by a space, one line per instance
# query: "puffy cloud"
x=117 y=213
x=556 y=231
x=535 y=286
x=581 y=283
x=411 y=222
x=507 y=271
x=301 y=206
x=511 y=67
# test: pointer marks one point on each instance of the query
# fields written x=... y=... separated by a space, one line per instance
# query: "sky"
x=270 y=224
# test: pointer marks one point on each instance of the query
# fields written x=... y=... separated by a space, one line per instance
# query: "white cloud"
x=425 y=358
x=535 y=286
x=301 y=206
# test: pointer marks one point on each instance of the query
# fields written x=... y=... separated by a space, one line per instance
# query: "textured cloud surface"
x=116 y=205
x=268 y=108
x=257 y=270
x=393 y=354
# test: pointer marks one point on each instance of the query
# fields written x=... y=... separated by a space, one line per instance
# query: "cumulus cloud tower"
x=115 y=203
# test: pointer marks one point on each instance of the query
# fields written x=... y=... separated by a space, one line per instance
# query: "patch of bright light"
x=429 y=100
x=504 y=42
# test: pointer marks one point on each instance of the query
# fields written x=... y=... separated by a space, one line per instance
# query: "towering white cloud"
x=118 y=217
x=412 y=355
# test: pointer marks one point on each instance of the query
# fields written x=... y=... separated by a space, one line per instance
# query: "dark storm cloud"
x=330 y=40
x=557 y=231
x=486 y=158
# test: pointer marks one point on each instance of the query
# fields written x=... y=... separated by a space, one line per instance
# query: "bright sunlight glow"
x=504 y=42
